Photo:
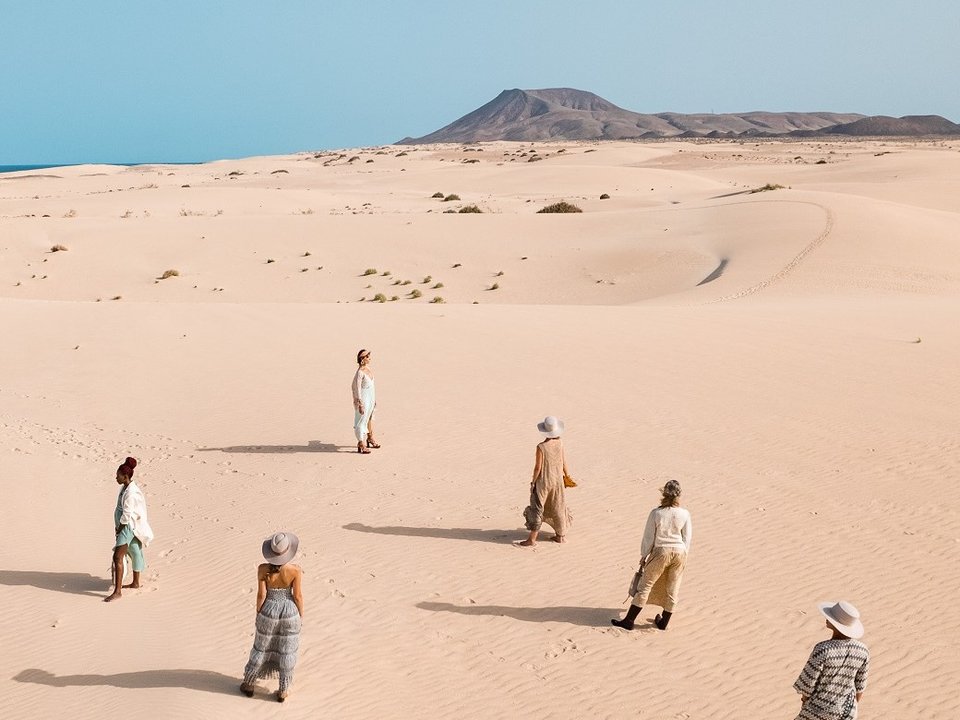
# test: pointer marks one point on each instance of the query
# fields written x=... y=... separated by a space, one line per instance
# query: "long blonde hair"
x=670 y=494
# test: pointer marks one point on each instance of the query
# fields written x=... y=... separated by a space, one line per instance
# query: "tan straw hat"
x=280 y=548
x=844 y=617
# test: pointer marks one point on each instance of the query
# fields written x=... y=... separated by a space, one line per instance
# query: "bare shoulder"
x=262 y=569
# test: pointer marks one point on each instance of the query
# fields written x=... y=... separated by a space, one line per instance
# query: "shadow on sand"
x=312 y=446
x=203 y=680
x=500 y=537
x=586 y=616
x=67 y=582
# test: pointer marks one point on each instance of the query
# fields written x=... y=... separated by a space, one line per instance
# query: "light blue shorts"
x=134 y=548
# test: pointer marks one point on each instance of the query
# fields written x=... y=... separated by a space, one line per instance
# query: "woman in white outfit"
x=663 y=556
x=364 y=403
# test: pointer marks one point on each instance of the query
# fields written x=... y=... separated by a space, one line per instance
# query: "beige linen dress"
x=547 y=502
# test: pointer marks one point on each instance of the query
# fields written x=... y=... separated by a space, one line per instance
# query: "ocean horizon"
x=22 y=168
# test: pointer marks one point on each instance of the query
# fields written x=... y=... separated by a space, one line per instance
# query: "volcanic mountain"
x=568 y=114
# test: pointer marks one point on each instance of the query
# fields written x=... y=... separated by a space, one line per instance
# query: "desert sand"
x=789 y=356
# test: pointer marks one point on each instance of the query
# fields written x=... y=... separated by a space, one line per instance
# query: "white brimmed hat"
x=844 y=617
x=280 y=548
x=551 y=426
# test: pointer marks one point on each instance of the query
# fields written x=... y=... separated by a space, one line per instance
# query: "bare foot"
x=133 y=586
x=526 y=543
x=281 y=695
x=111 y=598
x=559 y=539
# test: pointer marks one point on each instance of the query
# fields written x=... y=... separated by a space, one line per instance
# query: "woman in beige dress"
x=547 y=501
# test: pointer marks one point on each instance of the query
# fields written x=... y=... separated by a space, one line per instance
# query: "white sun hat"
x=844 y=617
x=551 y=426
x=280 y=548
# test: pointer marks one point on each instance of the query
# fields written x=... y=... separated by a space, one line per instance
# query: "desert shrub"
x=451 y=197
x=450 y=211
x=437 y=195
x=234 y=173
x=767 y=188
x=394 y=298
x=304 y=269
x=427 y=279
x=380 y=297
x=270 y=260
x=561 y=207
x=499 y=273
x=369 y=271
x=820 y=162
x=534 y=158
x=605 y=196
x=169 y=274
x=277 y=172
x=470 y=209
x=59 y=248
x=415 y=293
x=307 y=254
x=437 y=300
x=405 y=282
x=402 y=153
x=355 y=157
x=386 y=273
x=495 y=286
x=185 y=186
x=469 y=161
x=437 y=286
x=456 y=265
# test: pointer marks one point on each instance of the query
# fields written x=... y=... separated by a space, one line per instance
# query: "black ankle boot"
x=661 y=621
x=627 y=622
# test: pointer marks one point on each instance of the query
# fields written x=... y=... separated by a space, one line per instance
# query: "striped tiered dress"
x=277 y=640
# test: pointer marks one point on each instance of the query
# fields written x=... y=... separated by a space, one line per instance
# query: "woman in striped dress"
x=835 y=676
x=279 y=616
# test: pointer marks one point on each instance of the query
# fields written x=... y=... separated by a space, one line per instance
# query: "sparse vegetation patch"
x=470 y=209
x=767 y=188
x=561 y=207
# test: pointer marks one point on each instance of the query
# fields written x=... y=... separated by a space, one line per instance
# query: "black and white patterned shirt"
x=835 y=672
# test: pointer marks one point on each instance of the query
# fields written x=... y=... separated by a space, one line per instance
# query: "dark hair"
x=360 y=354
x=127 y=468
x=273 y=569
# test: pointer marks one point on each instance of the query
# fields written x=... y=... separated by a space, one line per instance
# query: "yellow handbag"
x=569 y=481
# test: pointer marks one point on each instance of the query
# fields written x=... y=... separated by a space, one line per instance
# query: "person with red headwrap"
x=132 y=529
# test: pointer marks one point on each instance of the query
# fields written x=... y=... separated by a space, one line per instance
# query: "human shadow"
x=67 y=582
x=586 y=616
x=499 y=537
x=312 y=446
x=202 y=680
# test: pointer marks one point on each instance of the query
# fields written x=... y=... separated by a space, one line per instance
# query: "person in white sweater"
x=663 y=556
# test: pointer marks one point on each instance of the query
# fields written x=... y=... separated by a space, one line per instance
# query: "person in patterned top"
x=833 y=680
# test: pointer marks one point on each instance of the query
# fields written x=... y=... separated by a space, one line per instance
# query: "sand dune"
x=804 y=396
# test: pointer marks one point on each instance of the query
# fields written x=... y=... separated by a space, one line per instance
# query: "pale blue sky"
x=186 y=80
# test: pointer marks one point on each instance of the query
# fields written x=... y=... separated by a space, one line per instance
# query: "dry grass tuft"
x=437 y=195
x=415 y=294
x=470 y=209
x=561 y=207
x=59 y=248
x=369 y=271
x=437 y=300
x=380 y=298
x=452 y=197
x=766 y=188
x=170 y=274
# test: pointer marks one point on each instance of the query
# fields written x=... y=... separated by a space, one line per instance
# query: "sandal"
x=362 y=450
x=281 y=695
x=372 y=444
x=246 y=690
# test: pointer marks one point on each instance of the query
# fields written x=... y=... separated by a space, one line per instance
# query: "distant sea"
x=21 y=168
